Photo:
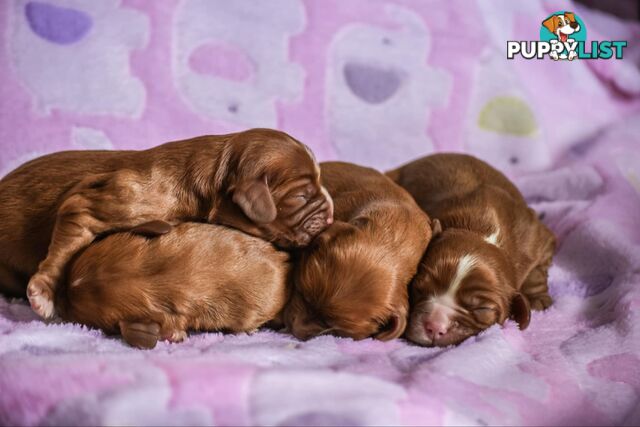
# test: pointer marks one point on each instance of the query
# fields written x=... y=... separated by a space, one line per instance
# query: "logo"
x=563 y=36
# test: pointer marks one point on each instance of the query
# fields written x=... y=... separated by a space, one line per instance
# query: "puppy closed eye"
x=484 y=314
x=295 y=201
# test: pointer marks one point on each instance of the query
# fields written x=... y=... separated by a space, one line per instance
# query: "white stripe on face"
x=445 y=304
x=465 y=265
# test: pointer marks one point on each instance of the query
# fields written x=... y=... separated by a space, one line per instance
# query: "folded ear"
x=254 y=198
x=394 y=328
x=152 y=229
x=520 y=310
x=551 y=23
x=570 y=16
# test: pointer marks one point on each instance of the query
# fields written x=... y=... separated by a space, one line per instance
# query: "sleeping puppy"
x=488 y=260
x=352 y=281
x=156 y=283
x=261 y=181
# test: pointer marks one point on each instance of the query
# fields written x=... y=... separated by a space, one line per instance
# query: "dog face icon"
x=562 y=25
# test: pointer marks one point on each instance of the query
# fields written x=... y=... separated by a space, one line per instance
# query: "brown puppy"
x=260 y=181
x=353 y=279
x=489 y=262
x=192 y=277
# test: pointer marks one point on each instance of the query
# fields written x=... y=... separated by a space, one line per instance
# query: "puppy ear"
x=152 y=229
x=436 y=227
x=551 y=23
x=520 y=310
x=570 y=16
x=140 y=335
x=394 y=328
x=254 y=198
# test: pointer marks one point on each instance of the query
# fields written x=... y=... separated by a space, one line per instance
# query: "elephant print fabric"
x=373 y=82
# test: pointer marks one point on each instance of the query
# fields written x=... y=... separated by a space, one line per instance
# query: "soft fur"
x=353 y=279
x=260 y=181
x=157 y=283
x=491 y=258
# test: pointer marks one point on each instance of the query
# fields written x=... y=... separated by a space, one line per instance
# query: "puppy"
x=488 y=260
x=156 y=282
x=562 y=25
x=260 y=181
x=353 y=279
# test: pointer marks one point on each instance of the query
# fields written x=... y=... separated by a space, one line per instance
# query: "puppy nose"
x=435 y=328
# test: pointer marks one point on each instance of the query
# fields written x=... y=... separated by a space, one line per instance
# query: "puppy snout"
x=435 y=328
x=574 y=25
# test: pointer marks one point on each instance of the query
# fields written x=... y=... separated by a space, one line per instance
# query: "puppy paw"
x=40 y=294
x=540 y=302
x=176 y=336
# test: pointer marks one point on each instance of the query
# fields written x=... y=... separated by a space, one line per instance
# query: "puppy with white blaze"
x=489 y=255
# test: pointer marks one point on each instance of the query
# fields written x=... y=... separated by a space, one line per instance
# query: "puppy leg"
x=98 y=204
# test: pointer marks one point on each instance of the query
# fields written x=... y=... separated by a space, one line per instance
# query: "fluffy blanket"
x=373 y=82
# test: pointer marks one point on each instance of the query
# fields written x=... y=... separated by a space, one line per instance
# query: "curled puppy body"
x=489 y=257
x=155 y=283
x=260 y=181
x=353 y=279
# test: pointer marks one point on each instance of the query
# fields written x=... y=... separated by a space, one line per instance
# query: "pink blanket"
x=377 y=83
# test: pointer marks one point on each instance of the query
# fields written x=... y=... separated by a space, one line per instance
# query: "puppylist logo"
x=563 y=35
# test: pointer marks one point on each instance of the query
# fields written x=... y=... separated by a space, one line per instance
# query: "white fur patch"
x=446 y=302
x=493 y=238
x=77 y=282
x=465 y=265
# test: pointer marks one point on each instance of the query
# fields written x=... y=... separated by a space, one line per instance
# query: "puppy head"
x=562 y=25
x=464 y=285
x=276 y=190
x=344 y=286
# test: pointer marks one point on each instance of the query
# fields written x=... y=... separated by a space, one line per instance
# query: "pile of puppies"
x=233 y=232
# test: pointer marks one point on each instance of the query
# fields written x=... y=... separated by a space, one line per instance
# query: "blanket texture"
x=378 y=83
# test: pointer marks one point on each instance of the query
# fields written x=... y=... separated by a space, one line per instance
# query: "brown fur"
x=353 y=279
x=260 y=181
x=472 y=201
x=195 y=277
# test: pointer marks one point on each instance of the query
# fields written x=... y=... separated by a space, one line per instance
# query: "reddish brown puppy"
x=260 y=181
x=155 y=283
x=490 y=260
x=352 y=281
